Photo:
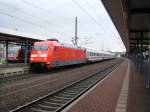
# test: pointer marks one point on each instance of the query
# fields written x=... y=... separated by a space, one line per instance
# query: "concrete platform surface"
x=12 y=67
x=139 y=93
x=124 y=90
x=104 y=97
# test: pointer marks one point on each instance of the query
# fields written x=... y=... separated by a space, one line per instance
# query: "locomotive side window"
x=40 y=47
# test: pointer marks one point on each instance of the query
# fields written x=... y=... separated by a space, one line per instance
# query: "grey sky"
x=55 y=19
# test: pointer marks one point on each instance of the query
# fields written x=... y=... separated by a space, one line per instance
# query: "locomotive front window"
x=41 y=47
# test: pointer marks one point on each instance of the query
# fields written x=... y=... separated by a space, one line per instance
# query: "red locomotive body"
x=51 y=54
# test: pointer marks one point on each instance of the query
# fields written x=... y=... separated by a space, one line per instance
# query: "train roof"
x=57 y=43
x=71 y=46
x=98 y=51
x=93 y=50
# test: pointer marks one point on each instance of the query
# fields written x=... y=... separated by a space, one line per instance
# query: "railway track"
x=58 y=100
x=26 y=73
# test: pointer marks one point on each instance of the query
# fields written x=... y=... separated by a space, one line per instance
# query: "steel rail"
x=58 y=100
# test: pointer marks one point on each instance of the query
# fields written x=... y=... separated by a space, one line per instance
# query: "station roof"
x=132 y=20
x=17 y=36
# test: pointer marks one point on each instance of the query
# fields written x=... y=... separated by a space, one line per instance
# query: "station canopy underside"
x=132 y=20
x=12 y=36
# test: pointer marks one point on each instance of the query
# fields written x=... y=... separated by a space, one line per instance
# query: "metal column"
x=141 y=53
x=149 y=56
x=148 y=68
x=26 y=53
x=6 y=58
x=137 y=54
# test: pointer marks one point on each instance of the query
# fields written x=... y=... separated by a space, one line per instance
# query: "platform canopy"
x=132 y=20
x=17 y=36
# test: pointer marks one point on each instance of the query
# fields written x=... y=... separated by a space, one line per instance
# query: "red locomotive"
x=49 y=54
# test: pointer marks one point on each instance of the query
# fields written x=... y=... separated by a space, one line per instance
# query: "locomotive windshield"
x=40 y=47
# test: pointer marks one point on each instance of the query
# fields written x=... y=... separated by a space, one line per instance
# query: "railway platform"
x=9 y=70
x=124 y=90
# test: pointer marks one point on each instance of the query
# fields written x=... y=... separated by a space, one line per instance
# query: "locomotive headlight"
x=33 y=55
x=45 y=59
x=43 y=55
x=32 y=59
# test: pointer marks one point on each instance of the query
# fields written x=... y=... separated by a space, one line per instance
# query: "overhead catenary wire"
x=86 y=12
x=88 y=4
x=91 y=17
x=36 y=6
x=23 y=20
x=35 y=17
x=47 y=12
x=22 y=12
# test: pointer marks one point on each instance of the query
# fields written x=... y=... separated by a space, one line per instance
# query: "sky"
x=56 y=19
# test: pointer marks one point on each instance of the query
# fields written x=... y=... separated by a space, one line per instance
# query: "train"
x=16 y=55
x=51 y=53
